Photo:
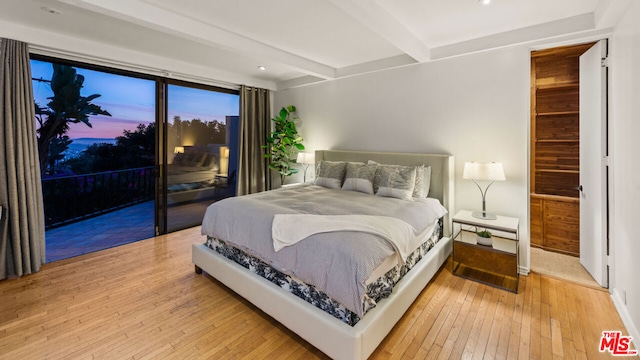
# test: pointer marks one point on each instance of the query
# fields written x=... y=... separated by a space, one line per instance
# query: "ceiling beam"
x=377 y=19
x=558 y=28
x=154 y=17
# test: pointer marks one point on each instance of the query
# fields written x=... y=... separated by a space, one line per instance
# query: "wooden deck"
x=143 y=300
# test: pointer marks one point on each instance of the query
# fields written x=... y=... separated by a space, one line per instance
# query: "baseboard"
x=618 y=302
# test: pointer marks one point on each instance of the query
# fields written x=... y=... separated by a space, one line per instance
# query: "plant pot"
x=484 y=241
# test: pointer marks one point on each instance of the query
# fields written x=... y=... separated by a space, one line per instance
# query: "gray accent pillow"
x=423 y=180
x=396 y=181
x=330 y=174
x=359 y=177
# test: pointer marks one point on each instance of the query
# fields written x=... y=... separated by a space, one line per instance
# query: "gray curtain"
x=22 y=223
x=255 y=124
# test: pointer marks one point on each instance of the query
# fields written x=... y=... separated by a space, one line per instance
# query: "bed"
x=322 y=329
x=194 y=165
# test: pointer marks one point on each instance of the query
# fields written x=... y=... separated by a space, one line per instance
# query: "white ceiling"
x=302 y=40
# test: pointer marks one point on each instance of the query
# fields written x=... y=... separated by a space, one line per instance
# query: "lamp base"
x=483 y=215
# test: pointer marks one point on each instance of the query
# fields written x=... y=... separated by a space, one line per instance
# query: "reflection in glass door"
x=201 y=146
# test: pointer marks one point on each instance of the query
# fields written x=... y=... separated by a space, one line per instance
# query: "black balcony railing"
x=73 y=198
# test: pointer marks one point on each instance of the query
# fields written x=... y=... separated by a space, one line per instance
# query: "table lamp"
x=306 y=159
x=483 y=172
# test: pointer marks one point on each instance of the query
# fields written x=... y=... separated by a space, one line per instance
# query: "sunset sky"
x=131 y=101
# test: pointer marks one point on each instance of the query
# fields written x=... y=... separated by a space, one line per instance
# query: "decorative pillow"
x=396 y=181
x=179 y=159
x=193 y=157
x=359 y=177
x=330 y=174
x=423 y=181
x=418 y=189
x=211 y=162
x=199 y=159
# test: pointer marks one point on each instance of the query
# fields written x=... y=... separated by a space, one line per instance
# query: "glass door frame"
x=162 y=150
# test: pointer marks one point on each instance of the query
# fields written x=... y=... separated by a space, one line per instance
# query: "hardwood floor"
x=143 y=301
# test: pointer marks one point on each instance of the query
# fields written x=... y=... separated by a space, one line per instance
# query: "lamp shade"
x=306 y=158
x=483 y=171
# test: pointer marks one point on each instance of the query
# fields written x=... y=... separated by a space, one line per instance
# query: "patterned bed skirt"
x=376 y=291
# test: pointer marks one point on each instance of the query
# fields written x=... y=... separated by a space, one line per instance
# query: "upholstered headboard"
x=442 y=171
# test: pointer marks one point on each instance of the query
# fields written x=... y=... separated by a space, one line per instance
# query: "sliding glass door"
x=96 y=139
x=126 y=156
x=201 y=146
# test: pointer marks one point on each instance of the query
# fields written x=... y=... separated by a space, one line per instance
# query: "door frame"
x=608 y=187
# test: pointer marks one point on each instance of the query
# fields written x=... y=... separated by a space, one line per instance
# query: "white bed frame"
x=328 y=334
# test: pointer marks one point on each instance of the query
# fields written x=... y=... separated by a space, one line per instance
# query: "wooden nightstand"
x=495 y=265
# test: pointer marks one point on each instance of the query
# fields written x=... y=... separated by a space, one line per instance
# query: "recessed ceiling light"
x=262 y=67
x=484 y=2
x=51 y=10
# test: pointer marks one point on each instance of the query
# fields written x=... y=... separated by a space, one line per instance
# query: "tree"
x=198 y=131
x=133 y=149
x=138 y=147
x=57 y=147
x=65 y=106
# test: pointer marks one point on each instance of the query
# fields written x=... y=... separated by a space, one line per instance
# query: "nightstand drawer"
x=485 y=258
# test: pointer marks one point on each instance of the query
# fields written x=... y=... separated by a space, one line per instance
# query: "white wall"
x=475 y=107
x=624 y=101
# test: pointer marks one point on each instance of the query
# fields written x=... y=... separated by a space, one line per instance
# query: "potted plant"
x=283 y=143
x=484 y=238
